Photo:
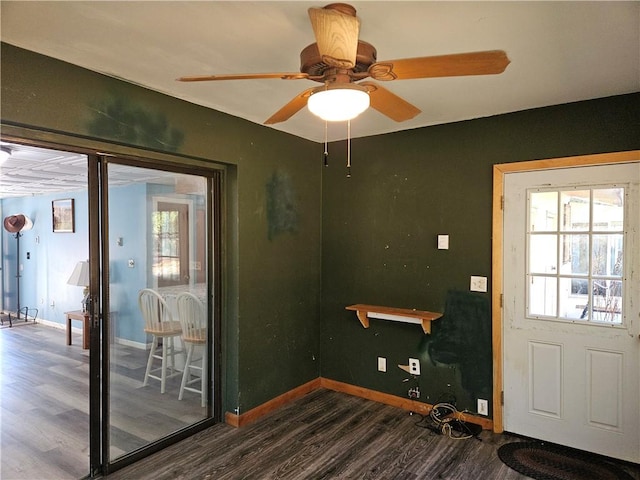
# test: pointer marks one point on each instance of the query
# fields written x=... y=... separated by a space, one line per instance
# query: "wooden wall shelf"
x=406 y=315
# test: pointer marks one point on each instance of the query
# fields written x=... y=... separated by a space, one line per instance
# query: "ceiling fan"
x=340 y=61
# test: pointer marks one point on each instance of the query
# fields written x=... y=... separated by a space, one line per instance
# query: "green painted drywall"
x=380 y=230
x=272 y=194
x=377 y=230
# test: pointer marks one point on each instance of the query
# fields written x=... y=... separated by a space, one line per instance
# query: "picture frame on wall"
x=63 y=215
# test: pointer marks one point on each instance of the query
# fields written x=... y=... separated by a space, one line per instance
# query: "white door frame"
x=497 y=250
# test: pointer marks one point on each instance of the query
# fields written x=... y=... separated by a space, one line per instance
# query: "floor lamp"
x=18 y=224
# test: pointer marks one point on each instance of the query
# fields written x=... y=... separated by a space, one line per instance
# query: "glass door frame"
x=99 y=386
x=96 y=161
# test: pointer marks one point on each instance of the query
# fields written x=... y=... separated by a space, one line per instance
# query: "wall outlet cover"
x=414 y=366
x=478 y=284
x=483 y=407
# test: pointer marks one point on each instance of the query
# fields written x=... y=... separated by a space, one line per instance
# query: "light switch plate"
x=443 y=242
x=382 y=364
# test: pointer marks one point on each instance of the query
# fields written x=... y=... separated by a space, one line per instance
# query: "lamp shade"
x=338 y=102
x=80 y=275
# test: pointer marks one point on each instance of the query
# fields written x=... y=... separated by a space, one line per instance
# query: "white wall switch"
x=382 y=364
x=443 y=242
x=478 y=284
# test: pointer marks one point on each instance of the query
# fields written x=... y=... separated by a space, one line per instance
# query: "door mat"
x=545 y=461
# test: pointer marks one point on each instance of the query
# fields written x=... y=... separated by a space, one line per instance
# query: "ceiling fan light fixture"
x=338 y=103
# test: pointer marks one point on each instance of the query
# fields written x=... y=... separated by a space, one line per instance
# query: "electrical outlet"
x=382 y=364
x=483 y=407
x=414 y=366
x=478 y=284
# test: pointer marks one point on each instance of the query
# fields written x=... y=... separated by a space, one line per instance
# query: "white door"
x=571 y=365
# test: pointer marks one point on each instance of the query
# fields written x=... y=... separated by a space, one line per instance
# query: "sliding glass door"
x=159 y=253
x=79 y=367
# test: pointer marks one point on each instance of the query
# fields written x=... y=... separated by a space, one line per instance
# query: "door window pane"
x=608 y=209
x=588 y=284
x=575 y=210
x=574 y=299
x=607 y=255
x=542 y=296
x=543 y=211
x=575 y=254
x=543 y=253
x=607 y=301
x=170 y=226
x=166 y=241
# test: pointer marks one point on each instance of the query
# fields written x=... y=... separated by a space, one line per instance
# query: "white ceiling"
x=39 y=171
x=560 y=52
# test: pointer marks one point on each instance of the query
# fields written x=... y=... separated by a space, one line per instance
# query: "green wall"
x=380 y=230
x=303 y=241
x=272 y=194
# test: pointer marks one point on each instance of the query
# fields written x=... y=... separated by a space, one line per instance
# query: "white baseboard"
x=132 y=344
x=120 y=341
x=59 y=326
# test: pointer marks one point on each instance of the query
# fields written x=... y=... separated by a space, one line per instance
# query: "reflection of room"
x=50 y=255
x=51 y=263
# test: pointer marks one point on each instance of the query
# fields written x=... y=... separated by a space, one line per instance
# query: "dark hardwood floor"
x=328 y=435
x=44 y=404
x=323 y=435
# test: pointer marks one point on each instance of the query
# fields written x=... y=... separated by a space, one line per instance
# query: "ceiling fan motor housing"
x=311 y=61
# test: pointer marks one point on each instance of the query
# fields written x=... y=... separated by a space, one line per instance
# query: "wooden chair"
x=193 y=320
x=159 y=323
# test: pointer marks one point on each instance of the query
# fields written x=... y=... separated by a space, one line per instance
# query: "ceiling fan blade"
x=336 y=29
x=389 y=103
x=291 y=108
x=245 y=76
x=489 y=62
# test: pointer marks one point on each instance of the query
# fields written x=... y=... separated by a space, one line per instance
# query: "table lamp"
x=80 y=278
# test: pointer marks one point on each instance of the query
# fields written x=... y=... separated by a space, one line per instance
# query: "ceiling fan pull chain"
x=326 y=144
x=348 y=148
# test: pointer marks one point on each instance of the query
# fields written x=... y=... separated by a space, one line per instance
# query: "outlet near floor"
x=483 y=407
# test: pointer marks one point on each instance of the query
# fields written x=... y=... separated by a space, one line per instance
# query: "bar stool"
x=193 y=319
x=159 y=323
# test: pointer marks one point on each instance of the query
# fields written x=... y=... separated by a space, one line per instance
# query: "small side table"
x=84 y=317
